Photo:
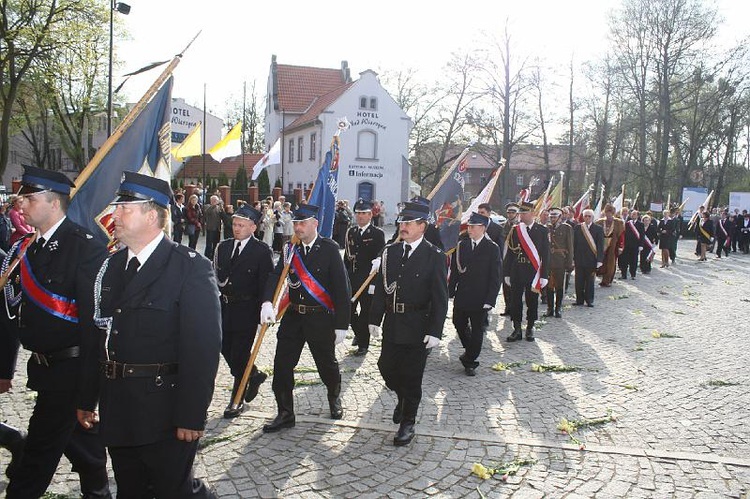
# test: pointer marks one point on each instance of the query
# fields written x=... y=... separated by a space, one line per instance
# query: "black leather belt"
x=45 y=359
x=235 y=298
x=402 y=308
x=114 y=370
x=308 y=309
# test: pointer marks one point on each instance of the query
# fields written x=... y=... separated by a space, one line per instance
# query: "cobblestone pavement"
x=666 y=355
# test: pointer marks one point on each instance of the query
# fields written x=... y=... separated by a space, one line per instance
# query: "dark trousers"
x=361 y=320
x=193 y=238
x=177 y=233
x=628 y=260
x=471 y=337
x=519 y=290
x=721 y=246
x=506 y=297
x=212 y=239
x=402 y=368
x=585 y=280
x=734 y=242
x=161 y=470
x=317 y=331
x=555 y=289
x=645 y=261
x=235 y=348
x=54 y=431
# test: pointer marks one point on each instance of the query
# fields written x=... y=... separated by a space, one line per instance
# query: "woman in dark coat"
x=194 y=217
x=705 y=234
x=665 y=231
x=651 y=238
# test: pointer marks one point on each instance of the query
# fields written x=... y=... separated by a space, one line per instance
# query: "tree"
x=251 y=106
x=264 y=184
x=240 y=180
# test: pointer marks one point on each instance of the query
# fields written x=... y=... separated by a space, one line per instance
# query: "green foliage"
x=264 y=184
x=240 y=180
x=223 y=179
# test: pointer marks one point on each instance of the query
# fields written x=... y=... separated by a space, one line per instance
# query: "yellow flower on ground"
x=481 y=471
x=656 y=334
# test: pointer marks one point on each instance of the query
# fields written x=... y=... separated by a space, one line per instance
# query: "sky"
x=238 y=37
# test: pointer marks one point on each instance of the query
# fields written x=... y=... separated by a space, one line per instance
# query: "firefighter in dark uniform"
x=474 y=284
x=49 y=298
x=363 y=244
x=432 y=233
x=511 y=219
x=318 y=314
x=157 y=304
x=242 y=266
x=525 y=269
x=560 y=262
x=411 y=291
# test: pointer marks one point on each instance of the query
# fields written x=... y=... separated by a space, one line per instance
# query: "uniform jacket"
x=652 y=233
x=242 y=282
x=179 y=215
x=475 y=274
x=359 y=252
x=513 y=264
x=325 y=264
x=708 y=227
x=561 y=246
x=168 y=313
x=495 y=233
x=65 y=266
x=583 y=257
x=633 y=241
x=423 y=281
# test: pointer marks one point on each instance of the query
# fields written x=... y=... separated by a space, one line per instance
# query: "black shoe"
x=576 y=304
x=505 y=313
x=360 y=351
x=632 y=277
x=405 y=434
x=470 y=371
x=337 y=411
x=13 y=440
x=398 y=412
x=558 y=315
x=590 y=305
x=230 y=412
x=530 y=333
x=514 y=337
x=548 y=313
x=253 y=385
x=281 y=421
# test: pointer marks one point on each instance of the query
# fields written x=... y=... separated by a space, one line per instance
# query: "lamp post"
x=124 y=9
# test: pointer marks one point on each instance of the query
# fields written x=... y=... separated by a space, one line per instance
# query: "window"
x=520 y=182
x=299 y=185
x=13 y=156
x=305 y=187
x=363 y=102
x=290 y=187
x=367 y=145
x=300 y=146
x=467 y=177
x=313 y=145
x=373 y=103
x=291 y=151
x=483 y=178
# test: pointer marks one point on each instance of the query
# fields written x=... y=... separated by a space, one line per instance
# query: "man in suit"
x=411 y=291
x=588 y=255
x=179 y=218
x=561 y=261
x=242 y=266
x=158 y=305
x=363 y=244
x=525 y=268
x=633 y=245
x=50 y=295
x=318 y=314
x=511 y=219
x=212 y=219
x=474 y=284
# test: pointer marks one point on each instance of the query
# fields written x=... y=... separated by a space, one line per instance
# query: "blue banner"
x=326 y=189
x=447 y=205
x=141 y=148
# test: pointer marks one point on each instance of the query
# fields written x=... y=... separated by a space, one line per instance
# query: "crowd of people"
x=125 y=347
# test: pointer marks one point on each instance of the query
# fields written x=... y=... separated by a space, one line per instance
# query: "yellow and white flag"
x=191 y=146
x=230 y=146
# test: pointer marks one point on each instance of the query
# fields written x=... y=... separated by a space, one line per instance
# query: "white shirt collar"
x=312 y=243
x=362 y=229
x=146 y=251
x=243 y=243
x=413 y=245
x=477 y=241
x=51 y=232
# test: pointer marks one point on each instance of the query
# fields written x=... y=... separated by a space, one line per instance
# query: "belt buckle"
x=40 y=359
x=398 y=308
x=301 y=309
x=109 y=368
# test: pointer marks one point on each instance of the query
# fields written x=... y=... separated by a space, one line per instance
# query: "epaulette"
x=185 y=251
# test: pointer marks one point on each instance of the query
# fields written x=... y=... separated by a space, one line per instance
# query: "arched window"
x=363 y=102
x=367 y=145
x=374 y=103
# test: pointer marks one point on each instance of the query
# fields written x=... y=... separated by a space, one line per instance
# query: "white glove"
x=340 y=336
x=371 y=289
x=507 y=280
x=487 y=306
x=599 y=264
x=640 y=248
x=543 y=282
x=374 y=330
x=375 y=265
x=431 y=341
x=266 y=313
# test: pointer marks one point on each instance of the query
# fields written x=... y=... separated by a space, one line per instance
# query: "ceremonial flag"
x=191 y=145
x=141 y=143
x=482 y=197
x=523 y=195
x=705 y=204
x=617 y=203
x=272 y=157
x=598 y=209
x=582 y=203
x=447 y=200
x=634 y=206
x=326 y=189
x=230 y=146
x=541 y=201
x=555 y=199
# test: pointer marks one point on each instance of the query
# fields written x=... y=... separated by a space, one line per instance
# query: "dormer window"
x=373 y=103
x=363 y=102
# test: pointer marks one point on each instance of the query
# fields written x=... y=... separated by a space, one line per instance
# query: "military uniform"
x=160 y=344
x=561 y=261
x=588 y=253
x=50 y=296
x=510 y=222
x=242 y=269
x=474 y=284
x=362 y=246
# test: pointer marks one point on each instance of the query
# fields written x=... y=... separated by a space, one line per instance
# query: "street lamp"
x=124 y=9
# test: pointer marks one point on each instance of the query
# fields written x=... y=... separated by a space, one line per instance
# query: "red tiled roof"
x=318 y=106
x=300 y=85
x=194 y=167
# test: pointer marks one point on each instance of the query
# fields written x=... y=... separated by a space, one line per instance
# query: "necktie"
x=473 y=245
x=236 y=252
x=407 y=249
x=39 y=244
x=132 y=269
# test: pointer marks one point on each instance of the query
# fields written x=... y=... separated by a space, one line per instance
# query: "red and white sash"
x=532 y=254
x=727 y=242
x=651 y=249
x=632 y=228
